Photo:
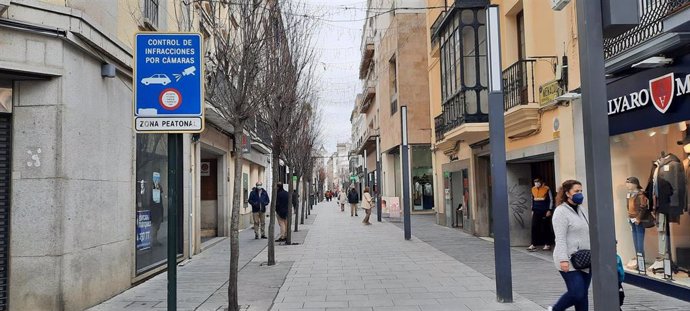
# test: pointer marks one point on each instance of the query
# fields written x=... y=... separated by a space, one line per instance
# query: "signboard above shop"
x=168 y=83
x=548 y=92
x=649 y=98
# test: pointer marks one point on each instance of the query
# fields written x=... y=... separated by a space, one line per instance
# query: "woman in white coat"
x=342 y=199
x=367 y=204
x=571 y=228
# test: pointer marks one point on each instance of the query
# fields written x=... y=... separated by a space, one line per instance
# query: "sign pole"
x=168 y=99
x=173 y=147
x=499 y=188
x=405 y=157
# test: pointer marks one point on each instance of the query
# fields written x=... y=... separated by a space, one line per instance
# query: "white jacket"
x=367 y=201
x=342 y=197
x=572 y=233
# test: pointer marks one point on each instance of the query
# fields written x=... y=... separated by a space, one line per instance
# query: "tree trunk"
x=305 y=198
x=299 y=202
x=275 y=161
x=288 y=232
x=233 y=300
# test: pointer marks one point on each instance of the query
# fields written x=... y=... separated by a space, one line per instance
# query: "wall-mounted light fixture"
x=108 y=70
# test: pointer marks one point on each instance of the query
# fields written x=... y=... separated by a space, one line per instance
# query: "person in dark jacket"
x=282 y=201
x=542 y=208
x=295 y=199
x=353 y=199
x=258 y=199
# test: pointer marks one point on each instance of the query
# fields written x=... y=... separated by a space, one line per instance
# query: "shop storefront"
x=649 y=118
x=151 y=246
x=422 y=178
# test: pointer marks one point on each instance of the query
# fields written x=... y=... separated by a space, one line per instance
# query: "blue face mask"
x=578 y=198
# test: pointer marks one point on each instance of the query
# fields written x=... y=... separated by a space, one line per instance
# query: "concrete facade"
x=393 y=71
x=73 y=210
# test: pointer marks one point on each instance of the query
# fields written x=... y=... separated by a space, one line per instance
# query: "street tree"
x=289 y=73
x=235 y=61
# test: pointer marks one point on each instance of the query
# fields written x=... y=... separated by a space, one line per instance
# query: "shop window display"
x=152 y=202
x=651 y=176
x=422 y=183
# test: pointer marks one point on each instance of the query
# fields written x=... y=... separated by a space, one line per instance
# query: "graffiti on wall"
x=519 y=201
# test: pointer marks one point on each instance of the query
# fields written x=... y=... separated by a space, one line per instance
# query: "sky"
x=337 y=41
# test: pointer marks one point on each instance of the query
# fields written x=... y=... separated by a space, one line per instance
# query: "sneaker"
x=264 y=237
x=547 y=247
x=549 y=309
x=656 y=265
x=531 y=248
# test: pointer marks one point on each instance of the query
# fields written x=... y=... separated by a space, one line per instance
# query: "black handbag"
x=582 y=259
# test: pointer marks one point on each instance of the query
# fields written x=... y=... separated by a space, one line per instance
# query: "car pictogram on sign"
x=158 y=78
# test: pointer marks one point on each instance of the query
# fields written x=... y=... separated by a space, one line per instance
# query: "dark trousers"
x=542 y=231
x=577 y=283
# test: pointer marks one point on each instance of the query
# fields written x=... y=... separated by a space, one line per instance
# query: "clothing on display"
x=670 y=187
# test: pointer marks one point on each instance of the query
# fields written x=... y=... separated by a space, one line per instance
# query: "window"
x=151 y=247
x=463 y=67
x=520 y=19
x=151 y=13
x=393 y=78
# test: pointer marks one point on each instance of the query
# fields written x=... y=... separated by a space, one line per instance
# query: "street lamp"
x=499 y=186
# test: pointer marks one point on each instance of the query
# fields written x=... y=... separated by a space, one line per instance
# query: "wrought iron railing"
x=518 y=84
x=151 y=12
x=652 y=15
x=455 y=112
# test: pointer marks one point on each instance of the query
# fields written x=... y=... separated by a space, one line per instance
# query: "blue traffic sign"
x=168 y=83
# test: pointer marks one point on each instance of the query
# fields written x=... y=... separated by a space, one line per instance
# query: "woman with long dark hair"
x=571 y=228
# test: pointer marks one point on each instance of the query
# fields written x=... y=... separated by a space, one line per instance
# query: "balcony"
x=518 y=84
x=368 y=95
x=367 y=141
x=663 y=27
x=367 y=57
x=456 y=123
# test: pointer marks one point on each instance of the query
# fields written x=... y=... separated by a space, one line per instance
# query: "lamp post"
x=405 y=159
x=378 y=179
x=597 y=152
x=499 y=186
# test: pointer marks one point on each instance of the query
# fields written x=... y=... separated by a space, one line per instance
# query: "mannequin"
x=669 y=193
x=637 y=211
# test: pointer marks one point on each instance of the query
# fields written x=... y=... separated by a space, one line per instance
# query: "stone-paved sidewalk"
x=345 y=265
x=534 y=275
x=202 y=282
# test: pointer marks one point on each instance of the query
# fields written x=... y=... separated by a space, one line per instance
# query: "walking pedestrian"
x=542 y=208
x=282 y=201
x=367 y=204
x=571 y=227
x=353 y=199
x=258 y=199
x=342 y=199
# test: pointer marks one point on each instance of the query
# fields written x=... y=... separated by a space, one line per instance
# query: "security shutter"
x=5 y=181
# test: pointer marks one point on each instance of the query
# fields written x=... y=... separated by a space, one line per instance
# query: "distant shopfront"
x=649 y=117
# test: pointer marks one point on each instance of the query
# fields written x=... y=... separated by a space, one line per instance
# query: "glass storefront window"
x=152 y=201
x=422 y=178
x=650 y=168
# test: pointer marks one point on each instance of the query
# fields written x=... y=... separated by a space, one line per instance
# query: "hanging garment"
x=670 y=187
